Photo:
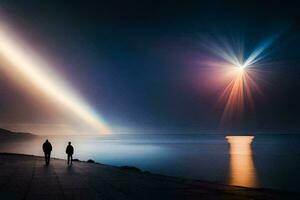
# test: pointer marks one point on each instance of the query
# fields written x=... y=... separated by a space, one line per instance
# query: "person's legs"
x=49 y=158
x=46 y=160
x=68 y=159
x=71 y=159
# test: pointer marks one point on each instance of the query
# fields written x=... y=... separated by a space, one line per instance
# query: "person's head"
x=69 y=143
x=47 y=140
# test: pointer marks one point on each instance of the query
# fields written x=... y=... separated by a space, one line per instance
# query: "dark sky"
x=131 y=60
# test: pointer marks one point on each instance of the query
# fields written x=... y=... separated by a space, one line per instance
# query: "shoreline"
x=129 y=182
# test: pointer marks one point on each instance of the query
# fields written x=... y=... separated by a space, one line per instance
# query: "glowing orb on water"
x=241 y=163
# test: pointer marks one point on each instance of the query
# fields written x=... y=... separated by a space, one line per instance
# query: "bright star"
x=239 y=72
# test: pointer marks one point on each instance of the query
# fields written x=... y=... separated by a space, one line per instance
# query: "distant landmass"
x=7 y=134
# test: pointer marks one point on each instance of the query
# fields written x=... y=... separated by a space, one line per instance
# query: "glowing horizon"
x=30 y=66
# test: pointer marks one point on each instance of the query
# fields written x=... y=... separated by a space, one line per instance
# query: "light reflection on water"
x=242 y=168
x=269 y=158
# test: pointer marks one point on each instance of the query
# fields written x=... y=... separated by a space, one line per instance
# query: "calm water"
x=270 y=161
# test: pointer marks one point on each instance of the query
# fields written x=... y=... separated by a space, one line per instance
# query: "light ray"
x=240 y=74
x=29 y=66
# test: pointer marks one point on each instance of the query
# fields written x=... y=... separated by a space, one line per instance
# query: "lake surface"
x=267 y=160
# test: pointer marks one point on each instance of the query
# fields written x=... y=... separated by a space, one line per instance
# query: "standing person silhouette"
x=47 y=148
x=70 y=151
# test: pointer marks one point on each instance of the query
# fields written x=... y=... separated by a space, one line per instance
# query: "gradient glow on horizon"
x=240 y=75
x=25 y=63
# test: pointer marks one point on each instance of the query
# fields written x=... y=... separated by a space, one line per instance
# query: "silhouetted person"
x=70 y=151
x=47 y=148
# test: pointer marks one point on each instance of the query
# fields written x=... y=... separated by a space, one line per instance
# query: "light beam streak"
x=30 y=67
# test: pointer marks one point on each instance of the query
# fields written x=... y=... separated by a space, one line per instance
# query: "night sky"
x=134 y=62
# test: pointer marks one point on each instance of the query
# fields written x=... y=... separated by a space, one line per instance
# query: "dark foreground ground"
x=26 y=177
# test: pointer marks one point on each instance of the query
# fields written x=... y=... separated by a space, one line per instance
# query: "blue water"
x=274 y=162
